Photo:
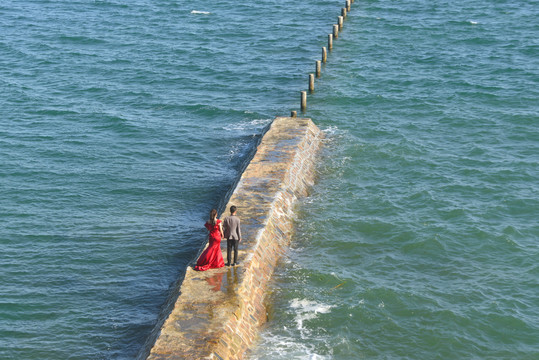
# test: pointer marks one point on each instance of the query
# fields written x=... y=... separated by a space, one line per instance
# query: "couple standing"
x=211 y=257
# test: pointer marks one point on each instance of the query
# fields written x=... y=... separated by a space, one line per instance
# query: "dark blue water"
x=124 y=122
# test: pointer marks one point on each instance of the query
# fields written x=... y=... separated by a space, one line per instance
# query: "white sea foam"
x=200 y=12
x=308 y=310
x=473 y=22
x=284 y=343
x=310 y=306
x=284 y=347
x=332 y=130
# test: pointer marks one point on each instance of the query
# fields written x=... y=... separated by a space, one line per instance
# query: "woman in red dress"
x=212 y=258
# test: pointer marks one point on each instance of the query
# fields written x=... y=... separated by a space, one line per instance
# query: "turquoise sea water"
x=124 y=122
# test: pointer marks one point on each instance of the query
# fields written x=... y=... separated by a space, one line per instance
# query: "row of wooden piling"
x=318 y=68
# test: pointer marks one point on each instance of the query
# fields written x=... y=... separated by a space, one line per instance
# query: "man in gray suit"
x=232 y=235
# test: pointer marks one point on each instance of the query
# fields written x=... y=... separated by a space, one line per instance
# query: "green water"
x=124 y=122
x=420 y=239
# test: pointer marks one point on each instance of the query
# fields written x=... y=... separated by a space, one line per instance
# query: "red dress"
x=211 y=258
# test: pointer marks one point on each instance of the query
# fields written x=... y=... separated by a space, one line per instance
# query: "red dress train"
x=211 y=258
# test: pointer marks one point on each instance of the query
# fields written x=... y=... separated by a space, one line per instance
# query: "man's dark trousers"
x=231 y=243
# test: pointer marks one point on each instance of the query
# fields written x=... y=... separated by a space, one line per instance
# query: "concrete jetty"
x=218 y=312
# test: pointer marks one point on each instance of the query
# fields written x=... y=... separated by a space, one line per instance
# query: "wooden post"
x=294 y=114
x=348 y=5
x=324 y=54
x=340 y=22
x=343 y=13
x=318 y=68
x=311 y=82
x=330 y=42
x=303 y=100
x=335 y=31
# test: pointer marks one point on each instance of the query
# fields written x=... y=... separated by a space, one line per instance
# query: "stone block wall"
x=218 y=312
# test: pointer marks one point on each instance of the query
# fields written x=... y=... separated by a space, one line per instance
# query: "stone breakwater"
x=218 y=312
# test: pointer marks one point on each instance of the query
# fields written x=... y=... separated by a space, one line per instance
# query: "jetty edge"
x=217 y=313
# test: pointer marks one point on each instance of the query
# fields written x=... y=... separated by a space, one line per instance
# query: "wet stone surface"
x=218 y=312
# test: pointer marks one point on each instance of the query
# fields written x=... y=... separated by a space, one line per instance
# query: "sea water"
x=124 y=122
x=420 y=239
